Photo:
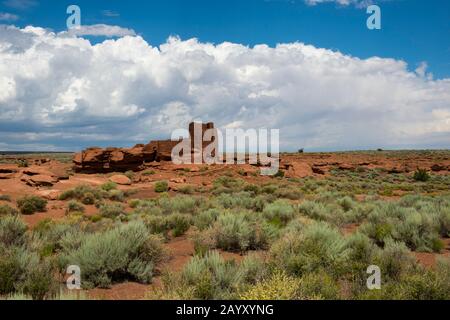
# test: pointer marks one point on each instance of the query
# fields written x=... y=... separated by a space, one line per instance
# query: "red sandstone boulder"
x=39 y=180
x=120 y=179
x=299 y=170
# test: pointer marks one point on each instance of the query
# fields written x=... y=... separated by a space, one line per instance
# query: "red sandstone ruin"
x=135 y=158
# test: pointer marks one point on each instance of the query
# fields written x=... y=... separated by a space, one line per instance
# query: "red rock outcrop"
x=136 y=158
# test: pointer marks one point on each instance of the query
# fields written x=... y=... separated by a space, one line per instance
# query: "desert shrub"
x=7 y=210
x=23 y=271
x=12 y=231
x=116 y=195
x=186 y=189
x=13 y=268
x=161 y=186
x=31 y=204
x=421 y=175
x=112 y=210
x=419 y=230
x=5 y=197
x=241 y=232
x=318 y=286
x=269 y=189
x=288 y=193
x=279 y=212
x=346 y=203
x=395 y=260
x=40 y=282
x=279 y=286
x=22 y=163
x=314 y=210
x=108 y=186
x=205 y=219
x=148 y=172
x=252 y=269
x=252 y=188
x=182 y=204
x=211 y=277
x=74 y=206
x=229 y=182
x=177 y=223
x=317 y=247
x=84 y=193
x=125 y=252
x=233 y=232
x=147 y=208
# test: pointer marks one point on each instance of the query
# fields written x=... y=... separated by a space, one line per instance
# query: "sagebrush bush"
x=31 y=204
x=74 y=206
x=112 y=210
x=177 y=223
x=161 y=186
x=211 y=277
x=317 y=247
x=238 y=232
x=206 y=219
x=419 y=230
x=86 y=194
x=108 y=186
x=7 y=210
x=279 y=212
x=12 y=231
x=22 y=271
x=182 y=204
x=125 y=252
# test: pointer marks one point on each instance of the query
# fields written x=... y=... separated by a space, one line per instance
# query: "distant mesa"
x=96 y=159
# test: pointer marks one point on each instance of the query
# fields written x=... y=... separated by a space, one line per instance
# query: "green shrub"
x=12 y=231
x=22 y=163
x=237 y=232
x=182 y=204
x=127 y=252
x=419 y=230
x=421 y=175
x=7 y=210
x=176 y=222
x=112 y=210
x=206 y=219
x=395 y=260
x=31 y=204
x=13 y=269
x=186 y=190
x=40 y=283
x=108 y=186
x=314 y=286
x=211 y=277
x=84 y=193
x=317 y=247
x=74 y=206
x=148 y=173
x=116 y=195
x=161 y=186
x=280 y=211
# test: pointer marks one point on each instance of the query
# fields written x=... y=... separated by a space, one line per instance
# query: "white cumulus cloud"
x=62 y=92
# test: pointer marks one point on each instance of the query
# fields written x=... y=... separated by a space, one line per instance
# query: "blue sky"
x=310 y=68
x=412 y=30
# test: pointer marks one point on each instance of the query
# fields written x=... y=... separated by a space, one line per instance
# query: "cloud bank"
x=60 y=92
